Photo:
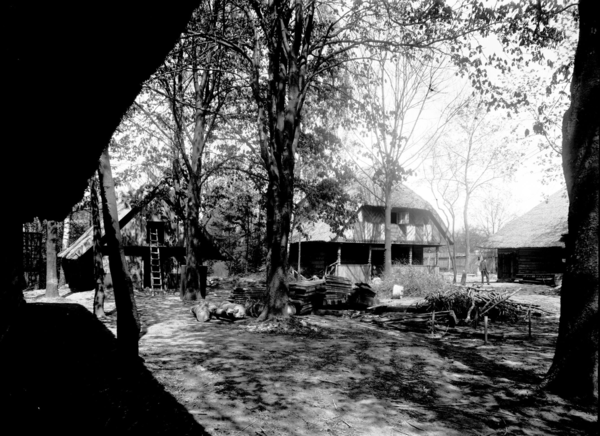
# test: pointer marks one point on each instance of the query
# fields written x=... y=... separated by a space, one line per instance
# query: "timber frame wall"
x=530 y=263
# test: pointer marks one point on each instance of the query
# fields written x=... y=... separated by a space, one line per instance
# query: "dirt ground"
x=340 y=376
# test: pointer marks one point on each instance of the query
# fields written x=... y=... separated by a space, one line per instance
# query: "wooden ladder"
x=155 y=269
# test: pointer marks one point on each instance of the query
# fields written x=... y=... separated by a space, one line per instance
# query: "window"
x=394 y=217
x=403 y=217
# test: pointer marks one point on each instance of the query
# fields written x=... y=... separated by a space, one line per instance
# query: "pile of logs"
x=205 y=311
x=307 y=295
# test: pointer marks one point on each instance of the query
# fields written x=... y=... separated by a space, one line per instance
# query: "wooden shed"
x=78 y=262
x=531 y=247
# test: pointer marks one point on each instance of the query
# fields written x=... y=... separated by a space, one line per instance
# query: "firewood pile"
x=471 y=304
x=307 y=295
x=337 y=290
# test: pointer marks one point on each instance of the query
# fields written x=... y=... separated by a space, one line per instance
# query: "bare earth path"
x=344 y=377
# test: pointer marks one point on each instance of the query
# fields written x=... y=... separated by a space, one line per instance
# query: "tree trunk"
x=387 y=269
x=66 y=232
x=97 y=250
x=574 y=370
x=193 y=286
x=51 y=264
x=279 y=211
x=467 y=234
x=128 y=323
x=64 y=245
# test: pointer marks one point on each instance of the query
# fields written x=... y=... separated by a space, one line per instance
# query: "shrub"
x=417 y=281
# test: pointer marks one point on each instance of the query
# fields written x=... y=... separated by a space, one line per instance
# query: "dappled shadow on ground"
x=354 y=378
x=60 y=373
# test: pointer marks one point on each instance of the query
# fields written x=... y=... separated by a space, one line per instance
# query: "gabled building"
x=531 y=247
x=136 y=229
x=358 y=253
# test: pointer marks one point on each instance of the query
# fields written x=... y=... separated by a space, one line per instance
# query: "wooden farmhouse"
x=154 y=250
x=358 y=253
x=531 y=247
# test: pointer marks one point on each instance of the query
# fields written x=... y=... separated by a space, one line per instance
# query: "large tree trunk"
x=97 y=250
x=574 y=371
x=279 y=212
x=128 y=323
x=51 y=264
x=193 y=287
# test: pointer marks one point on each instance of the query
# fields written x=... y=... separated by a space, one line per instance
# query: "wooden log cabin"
x=531 y=247
x=358 y=253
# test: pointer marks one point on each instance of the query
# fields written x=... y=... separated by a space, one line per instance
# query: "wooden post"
x=437 y=255
x=432 y=323
x=410 y=255
x=339 y=260
x=485 y=329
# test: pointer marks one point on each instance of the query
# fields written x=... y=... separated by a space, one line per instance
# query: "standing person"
x=484 y=270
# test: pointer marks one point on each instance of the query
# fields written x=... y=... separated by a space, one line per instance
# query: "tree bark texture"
x=128 y=323
x=51 y=260
x=278 y=119
x=97 y=247
x=574 y=370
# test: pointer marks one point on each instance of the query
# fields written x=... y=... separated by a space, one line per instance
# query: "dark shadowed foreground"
x=332 y=376
x=60 y=374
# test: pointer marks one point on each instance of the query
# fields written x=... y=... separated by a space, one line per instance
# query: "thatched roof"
x=210 y=249
x=542 y=226
x=402 y=197
x=85 y=241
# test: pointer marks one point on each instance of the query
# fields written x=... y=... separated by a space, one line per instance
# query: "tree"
x=446 y=194
x=128 y=322
x=51 y=263
x=195 y=84
x=475 y=156
x=291 y=45
x=535 y=27
x=574 y=370
x=396 y=91
x=97 y=250
x=494 y=213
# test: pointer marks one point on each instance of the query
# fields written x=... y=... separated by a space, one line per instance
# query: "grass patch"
x=417 y=282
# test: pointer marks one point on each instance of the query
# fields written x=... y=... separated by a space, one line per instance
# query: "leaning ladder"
x=155 y=270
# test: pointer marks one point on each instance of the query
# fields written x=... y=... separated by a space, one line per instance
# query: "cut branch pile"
x=471 y=304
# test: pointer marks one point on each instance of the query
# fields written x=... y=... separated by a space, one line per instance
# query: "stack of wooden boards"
x=246 y=291
x=307 y=295
x=337 y=290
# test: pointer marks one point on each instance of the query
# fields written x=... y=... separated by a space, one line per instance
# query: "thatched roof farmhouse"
x=358 y=252
x=531 y=247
